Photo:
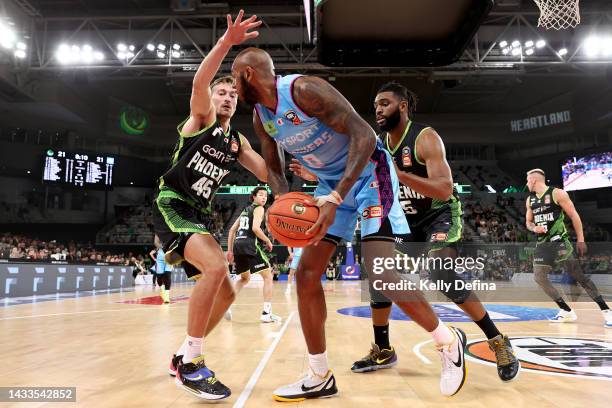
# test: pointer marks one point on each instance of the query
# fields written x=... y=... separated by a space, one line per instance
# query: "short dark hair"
x=401 y=92
x=255 y=191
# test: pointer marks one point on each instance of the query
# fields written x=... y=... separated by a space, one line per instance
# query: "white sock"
x=442 y=335
x=181 y=350
x=193 y=348
x=318 y=363
x=267 y=307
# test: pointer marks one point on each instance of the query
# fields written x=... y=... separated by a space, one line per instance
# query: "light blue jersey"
x=297 y=254
x=324 y=152
x=319 y=148
x=160 y=263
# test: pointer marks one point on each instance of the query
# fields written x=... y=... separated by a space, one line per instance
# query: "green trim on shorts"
x=173 y=220
x=261 y=253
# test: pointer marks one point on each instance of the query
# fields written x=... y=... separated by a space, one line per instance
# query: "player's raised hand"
x=238 y=31
x=299 y=170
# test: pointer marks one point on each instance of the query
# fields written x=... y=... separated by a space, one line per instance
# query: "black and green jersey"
x=547 y=213
x=416 y=206
x=200 y=162
x=246 y=242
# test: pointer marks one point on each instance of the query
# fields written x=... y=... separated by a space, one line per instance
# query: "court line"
x=262 y=364
x=74 y=313
x=417 y=350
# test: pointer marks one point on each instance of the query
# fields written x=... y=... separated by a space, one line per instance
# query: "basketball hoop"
x=558 y=14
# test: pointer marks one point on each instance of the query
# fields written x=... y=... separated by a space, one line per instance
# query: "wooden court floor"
x=116 y=354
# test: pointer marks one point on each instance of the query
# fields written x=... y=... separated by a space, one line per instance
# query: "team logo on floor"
x=449 y=312
x=568 y=356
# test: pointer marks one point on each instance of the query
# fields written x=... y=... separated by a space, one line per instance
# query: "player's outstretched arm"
x=273 y=157
x=202 y=109
x=230 y=240
x=439 y=181
x=252 y=161
x=319 y=99
x=258 y=216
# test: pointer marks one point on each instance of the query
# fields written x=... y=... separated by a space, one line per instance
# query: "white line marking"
x=262 y=364
x=73 y=313
x=417 y=350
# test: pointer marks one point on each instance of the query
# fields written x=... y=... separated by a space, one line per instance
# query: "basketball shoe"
x=564 y=317
x=200 y=381
x=310 y=386
x=607 y=318
x=376 y=359
x=174 y=365
x=454 y=371
x=269 y=318
x=508 y=365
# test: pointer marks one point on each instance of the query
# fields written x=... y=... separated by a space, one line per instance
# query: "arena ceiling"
x=483 y=82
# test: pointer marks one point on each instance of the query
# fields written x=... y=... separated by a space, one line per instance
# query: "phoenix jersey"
x=316 y=146
x=415 y=205
x=200 y=162
x=246 y=241
x=547 y=213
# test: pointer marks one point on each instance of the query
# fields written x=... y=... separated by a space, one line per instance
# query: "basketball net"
x=558 y=14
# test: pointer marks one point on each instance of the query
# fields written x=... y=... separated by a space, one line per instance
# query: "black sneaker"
x=174 y=365
x=376 y=359
x=200 y=381
x=508 y=365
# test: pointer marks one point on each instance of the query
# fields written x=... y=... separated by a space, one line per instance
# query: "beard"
x=249 y=94
x=391 y=121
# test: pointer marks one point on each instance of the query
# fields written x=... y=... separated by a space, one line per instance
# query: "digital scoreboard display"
x=79 y=169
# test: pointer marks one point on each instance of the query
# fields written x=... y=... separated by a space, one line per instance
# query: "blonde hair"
x=536 y=171
x=225 y=79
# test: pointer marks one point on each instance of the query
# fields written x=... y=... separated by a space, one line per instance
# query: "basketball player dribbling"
x=248 y=256
x=206 y=151
x=546 y=210
x=311 y=120
x=433 y=210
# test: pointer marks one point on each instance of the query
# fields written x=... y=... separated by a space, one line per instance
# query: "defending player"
x=246 y=253
x=206 y=150
x=309 y=119
x=546 y=210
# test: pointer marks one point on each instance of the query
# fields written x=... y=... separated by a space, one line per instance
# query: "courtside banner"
x=349 y=272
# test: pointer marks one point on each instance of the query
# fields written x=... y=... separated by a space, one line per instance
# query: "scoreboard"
x=79 y=169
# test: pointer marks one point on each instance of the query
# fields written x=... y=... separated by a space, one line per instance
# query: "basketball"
x=289 y=219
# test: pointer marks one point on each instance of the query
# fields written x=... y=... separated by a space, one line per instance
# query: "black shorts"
x=551 y=253
x=175 y=221
x=439 y=229
x=251 y=263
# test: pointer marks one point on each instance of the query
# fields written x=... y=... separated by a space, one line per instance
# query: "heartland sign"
x=540 y=121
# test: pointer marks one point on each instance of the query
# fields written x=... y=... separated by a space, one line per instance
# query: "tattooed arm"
x=319 y=99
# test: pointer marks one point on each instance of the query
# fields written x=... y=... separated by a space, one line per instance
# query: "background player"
x=294 y=254
x=546 y=210
x=311 y=120
x=246 y=253
x=163 y=271
x=206 y=151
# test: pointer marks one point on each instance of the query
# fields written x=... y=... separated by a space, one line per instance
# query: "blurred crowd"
x=20 y=247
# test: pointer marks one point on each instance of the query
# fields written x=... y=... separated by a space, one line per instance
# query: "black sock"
x=488 y=327
x=562 y=305
x=601 y=303
x=381 y=337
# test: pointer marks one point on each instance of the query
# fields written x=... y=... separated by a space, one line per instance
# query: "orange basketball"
x=288 y=219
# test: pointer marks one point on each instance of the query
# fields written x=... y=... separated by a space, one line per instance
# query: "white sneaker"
x=564 y=317
x=228 y=314
x=454 y=371
x=310 y=386
x=270 y=318
x=607 y=318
